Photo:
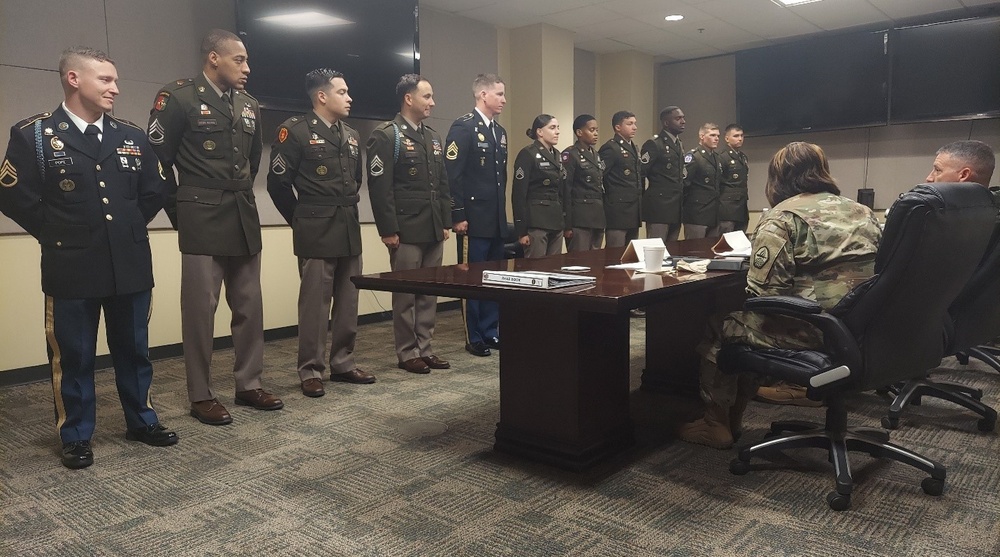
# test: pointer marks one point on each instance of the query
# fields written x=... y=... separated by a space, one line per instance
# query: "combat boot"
x=711 y=430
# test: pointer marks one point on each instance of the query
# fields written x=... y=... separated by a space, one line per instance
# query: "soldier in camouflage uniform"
x=814 y=244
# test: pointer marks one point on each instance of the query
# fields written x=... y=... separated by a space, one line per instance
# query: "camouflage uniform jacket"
x=817 y=246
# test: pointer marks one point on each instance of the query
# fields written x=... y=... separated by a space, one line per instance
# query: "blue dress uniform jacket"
x=409 y=189
x=701 y=187
x=663 y=165
x=583 y=198
x=88 y=210
x=622 y=184
x=324 y=170
x=537 y=189
x=216 y=150
x=477 y=175
x=733 y=193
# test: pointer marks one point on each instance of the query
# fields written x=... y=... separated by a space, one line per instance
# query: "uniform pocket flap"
x=65 y=235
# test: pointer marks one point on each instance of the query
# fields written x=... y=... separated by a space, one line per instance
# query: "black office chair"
x=975 y=319
x=888 y=329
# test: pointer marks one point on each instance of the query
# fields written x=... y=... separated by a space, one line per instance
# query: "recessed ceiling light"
x=785 y=3
x=305 y=19
x=675 y=17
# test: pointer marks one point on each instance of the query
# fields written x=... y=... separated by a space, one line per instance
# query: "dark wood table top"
x=616 y=290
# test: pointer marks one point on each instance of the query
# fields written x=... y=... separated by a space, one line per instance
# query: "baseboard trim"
x=33 y=374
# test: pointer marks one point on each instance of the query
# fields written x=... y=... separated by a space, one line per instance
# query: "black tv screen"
x=373 y=42
x=946 y=71
x=818 y=84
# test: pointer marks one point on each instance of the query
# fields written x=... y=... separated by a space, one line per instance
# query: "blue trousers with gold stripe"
x=71 y=332
x=482 y=318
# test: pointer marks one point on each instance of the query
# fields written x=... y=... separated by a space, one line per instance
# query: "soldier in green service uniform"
x=537 y=191
x=408 y=186
x=208 y=129
x=662 y=161
x=701 y=186
x=317 y=157
x=622 y=182
x=733 y=195
x=813 y=243
x=583 y=198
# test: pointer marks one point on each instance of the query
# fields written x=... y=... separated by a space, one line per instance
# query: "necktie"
x=226 y=98
x=92 y=135
x=492 y=132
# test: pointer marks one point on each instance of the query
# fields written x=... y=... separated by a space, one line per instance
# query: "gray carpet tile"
x=405 y=467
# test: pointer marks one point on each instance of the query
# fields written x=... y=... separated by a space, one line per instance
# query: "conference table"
x=564 y=358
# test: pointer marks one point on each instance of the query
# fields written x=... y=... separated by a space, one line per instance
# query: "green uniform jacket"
x=622 y=184
x=663 y=165
x=537 y=189
x=323 y=167
x=733 y=193
x=216 y=151
x=408 y=183
x=583 y=196
x=701 y=187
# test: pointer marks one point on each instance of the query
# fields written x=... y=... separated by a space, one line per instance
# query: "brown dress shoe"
x=211 y=412
x=313 y=387
x=414 y=365
x=259 y=399
x=353 y=376
x=434 y=362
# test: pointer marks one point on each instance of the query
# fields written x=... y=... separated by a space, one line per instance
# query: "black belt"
x=433 y=194
x=549 y=197
x=215 y=183
x=328 y=200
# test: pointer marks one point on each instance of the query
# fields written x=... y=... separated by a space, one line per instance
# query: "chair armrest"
x=838 y=341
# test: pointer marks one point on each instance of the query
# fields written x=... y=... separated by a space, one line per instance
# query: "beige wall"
x=889 y=159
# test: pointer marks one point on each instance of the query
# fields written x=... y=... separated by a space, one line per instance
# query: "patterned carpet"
x=404 y=467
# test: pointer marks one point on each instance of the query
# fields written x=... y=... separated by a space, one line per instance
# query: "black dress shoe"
x=477 y=349
x=77 y=455
x=492 y=342
x=156 y=435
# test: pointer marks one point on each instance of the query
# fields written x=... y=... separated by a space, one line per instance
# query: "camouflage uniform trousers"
x=753 y=329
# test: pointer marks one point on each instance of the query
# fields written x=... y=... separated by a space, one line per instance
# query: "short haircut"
x=214 y=40
x=667 y=112
x=733 y=127
x=407 y=84
x=798 y=168
x=485 y=81
x=319 y=79
x=707 y=126
x=978 y=156
x=581 y=121
x=620 y=117
x=73 y=55
x=541 y=121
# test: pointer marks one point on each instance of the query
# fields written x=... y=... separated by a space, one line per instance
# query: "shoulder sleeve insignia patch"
x=688 y=158
x=282 y=134
x=161 y=101
x=452 y=152
x=376 y=167
x=566 y=157
x=761 y=257
x=8 y=174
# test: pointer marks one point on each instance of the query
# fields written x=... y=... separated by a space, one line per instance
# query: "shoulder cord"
x=39 y=154
x=395 y=152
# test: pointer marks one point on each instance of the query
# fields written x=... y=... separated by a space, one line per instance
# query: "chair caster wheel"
x=915 y=401
x=738 y=467
x=838 y=501
x=932 y=486
x=962 y=358
x=890 y=423
x=986 y=425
